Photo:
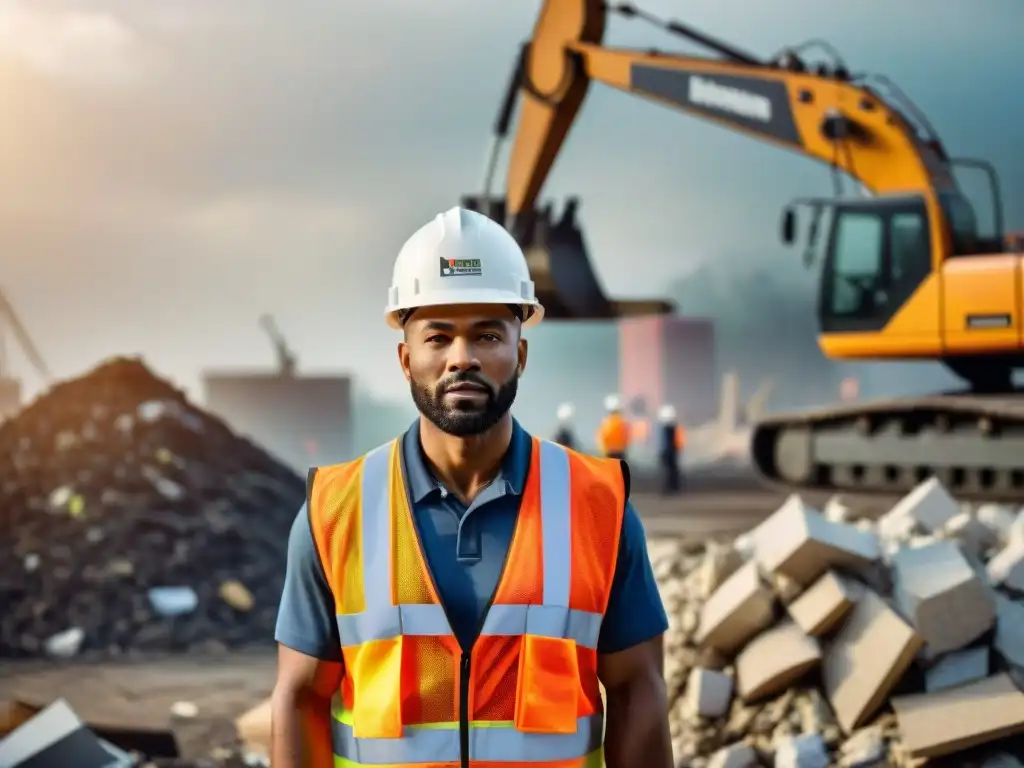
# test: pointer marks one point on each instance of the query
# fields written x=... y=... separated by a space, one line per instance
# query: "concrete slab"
x=866 y=659
x=1006 y=569
x=774 y=660
x=738 y=610
x=825 y=603
x=943 y=723
x=798 y=542
x=1009 y=638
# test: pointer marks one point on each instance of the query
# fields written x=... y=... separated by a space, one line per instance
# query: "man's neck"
x=466 y=465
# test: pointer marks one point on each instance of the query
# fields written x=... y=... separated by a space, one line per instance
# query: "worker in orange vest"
x=672 y=442
x=565 y=434
x=462 y=595
x=613 y=434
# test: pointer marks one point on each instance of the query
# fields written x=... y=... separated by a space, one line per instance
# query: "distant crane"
x=10 y=323
x=287 y=362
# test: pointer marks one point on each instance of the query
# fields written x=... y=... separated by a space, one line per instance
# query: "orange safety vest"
x=613 y=437
x=527 y=693
x=680 y=438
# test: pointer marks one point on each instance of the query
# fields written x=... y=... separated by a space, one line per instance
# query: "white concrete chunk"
x=929 y=506
x=942 y=595
x=708 y=692
x=798 y=542
x=825 y=603
x=957 y=668
x=738 y=610
x=998 y=518
x=734 y=756
x=866 y=659
x=836 y=510
x=1007 y=567
x=805 y=751
x=774 y=660
x=1009 y=639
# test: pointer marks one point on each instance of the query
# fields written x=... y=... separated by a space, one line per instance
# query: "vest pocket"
x=548 y=685
x=375 y=668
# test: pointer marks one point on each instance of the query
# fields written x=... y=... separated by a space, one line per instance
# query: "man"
x=461 y=592
x=671 y=444
x=565 y=435
x=613 y=434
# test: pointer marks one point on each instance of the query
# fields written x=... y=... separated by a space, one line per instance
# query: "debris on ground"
x=824 y=640
x=136 y=522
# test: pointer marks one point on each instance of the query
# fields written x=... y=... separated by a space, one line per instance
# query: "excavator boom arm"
x=835 y=121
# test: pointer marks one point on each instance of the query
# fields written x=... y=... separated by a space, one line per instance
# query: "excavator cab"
x=560 y=266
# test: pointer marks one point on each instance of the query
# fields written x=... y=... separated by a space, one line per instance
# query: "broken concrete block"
x=253 y=728
x=824 y=604
x=708 y=692
x=929 y=506
x=864 y=749
x=836 y=510
x=799 y=543
x=971 y=534
x=942 y=595
x=719 y=564
x=1009 y=639
x=807 y=750
x=868 y=656
x=784 y=588
x=1007 y=567
x=734 y=756
x=957 y=668
x=949 y=721
x=775 y=659
x=737 y=611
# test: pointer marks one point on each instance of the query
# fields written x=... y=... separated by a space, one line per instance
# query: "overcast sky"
x=171 y=169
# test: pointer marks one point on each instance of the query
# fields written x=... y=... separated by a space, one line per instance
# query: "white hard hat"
x=666 y=413
x=566 y=412
x=613 y=403
x=461 y=257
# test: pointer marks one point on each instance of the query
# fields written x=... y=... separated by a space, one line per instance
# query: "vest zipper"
x=464 y=677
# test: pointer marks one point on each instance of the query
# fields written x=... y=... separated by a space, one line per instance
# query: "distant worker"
x=613 y=434
x=565 y=435
x=671 y=444
x=409 y=568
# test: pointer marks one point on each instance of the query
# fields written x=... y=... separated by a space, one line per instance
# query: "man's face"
x=463 y=365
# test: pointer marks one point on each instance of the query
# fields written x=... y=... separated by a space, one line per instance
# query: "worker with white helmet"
x=613 y=434
x=398 y=602
x=565 y=434
x=671 y=442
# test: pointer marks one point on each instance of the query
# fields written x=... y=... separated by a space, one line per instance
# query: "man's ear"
x=523 y=349
x=403 y=360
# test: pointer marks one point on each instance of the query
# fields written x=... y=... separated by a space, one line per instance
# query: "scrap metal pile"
x=134 y=521
x=813 y=641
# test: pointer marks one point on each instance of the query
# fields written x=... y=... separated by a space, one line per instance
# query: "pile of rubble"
x=135 y=521
x=816 y=641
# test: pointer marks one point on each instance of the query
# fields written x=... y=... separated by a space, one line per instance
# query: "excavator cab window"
x=878 y=253
x=963 y=226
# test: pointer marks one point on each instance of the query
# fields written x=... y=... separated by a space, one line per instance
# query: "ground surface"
x=140 y=692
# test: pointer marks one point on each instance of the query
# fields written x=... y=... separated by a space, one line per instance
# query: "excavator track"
x=974 y=444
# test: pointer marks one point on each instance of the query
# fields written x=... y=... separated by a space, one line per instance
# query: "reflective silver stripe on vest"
x=492 y=743
x=382 y=620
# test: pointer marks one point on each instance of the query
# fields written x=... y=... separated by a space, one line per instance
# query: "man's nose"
x=461 y=356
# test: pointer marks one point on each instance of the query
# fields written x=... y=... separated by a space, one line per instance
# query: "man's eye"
x=436 y=340
x=489 y=337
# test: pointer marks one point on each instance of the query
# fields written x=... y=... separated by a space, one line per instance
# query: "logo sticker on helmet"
x=461 y=268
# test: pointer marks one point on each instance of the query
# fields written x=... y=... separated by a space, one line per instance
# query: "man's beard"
x=464 y=418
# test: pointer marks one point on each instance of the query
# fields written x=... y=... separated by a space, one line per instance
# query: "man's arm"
x=309 y=664
x=631 y=659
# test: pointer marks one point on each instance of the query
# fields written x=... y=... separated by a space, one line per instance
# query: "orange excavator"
x=906 y=270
